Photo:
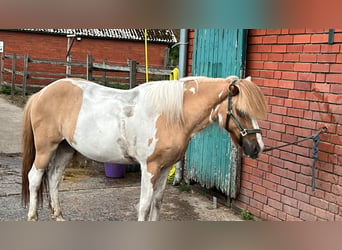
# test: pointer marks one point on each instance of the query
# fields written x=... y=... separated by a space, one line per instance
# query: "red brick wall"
x=44 y=46
x=301 y=77
x=191 y=36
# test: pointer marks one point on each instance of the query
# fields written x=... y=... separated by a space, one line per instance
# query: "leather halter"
x=243 y=131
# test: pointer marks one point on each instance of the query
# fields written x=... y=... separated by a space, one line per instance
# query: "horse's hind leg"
x=35 y=177
x=61 y=159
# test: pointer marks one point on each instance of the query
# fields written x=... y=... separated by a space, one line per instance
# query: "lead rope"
x=315 y=138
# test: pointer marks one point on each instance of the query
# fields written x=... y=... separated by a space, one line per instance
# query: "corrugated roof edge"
x=153 y=35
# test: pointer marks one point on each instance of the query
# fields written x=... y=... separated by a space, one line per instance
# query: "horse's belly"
x=108 y=134
x=101 y=140
x=103 y=149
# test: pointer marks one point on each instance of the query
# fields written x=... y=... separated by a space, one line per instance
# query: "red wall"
x=44 y=46
x=301 y=77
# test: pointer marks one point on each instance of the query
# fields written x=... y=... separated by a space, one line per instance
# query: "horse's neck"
x=200 y=100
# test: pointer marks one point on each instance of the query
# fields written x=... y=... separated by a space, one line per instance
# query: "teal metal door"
x=211 y=158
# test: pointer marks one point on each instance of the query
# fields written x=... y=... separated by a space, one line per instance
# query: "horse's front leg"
x=146 y=194
x=158 y=192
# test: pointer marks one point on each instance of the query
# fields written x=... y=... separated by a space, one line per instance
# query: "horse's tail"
x=28 y=151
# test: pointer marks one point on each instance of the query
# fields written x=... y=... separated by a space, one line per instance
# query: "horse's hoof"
x=57 y=217
x=60 y=218
x=32 y=218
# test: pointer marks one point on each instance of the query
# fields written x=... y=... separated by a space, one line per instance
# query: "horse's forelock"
x=250 y=100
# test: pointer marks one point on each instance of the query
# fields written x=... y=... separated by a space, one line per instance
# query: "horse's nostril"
x=256 y=149
x=254 y=156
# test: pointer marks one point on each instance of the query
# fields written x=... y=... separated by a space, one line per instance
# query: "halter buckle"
x=243 y=132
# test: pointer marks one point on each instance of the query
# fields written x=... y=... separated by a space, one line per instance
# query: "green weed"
x=246 y=215
x=183 y=187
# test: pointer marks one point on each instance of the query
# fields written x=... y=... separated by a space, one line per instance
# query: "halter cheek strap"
x=243 y=131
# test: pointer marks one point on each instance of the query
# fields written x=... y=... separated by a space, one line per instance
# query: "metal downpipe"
x=183 y=50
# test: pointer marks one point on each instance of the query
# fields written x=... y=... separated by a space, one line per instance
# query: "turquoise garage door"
x=211 y=159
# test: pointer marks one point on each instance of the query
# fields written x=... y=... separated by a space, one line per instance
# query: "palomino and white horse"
x=151 y=124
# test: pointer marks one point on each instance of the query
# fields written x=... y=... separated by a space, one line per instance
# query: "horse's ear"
x=234 y=89
x=248 y=78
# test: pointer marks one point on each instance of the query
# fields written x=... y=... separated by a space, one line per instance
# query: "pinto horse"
x=151 y=124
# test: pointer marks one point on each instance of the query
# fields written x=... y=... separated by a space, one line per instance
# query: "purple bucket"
x=113 y=170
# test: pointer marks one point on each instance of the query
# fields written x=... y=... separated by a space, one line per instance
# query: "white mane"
x=191 y=78
x=166 y=98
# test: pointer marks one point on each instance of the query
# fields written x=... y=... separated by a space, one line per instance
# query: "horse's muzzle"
x=251 y=148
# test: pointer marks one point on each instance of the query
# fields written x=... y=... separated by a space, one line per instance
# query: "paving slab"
x=10 y=127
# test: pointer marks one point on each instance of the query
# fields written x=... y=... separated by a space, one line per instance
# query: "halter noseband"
x=243 y=131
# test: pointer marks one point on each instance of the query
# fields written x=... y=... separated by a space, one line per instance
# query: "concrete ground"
x=86 y=193
x=10 y=127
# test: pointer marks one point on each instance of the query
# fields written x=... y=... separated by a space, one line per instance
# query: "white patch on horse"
x=258 y=135
x=220 y=119
x=213 y=113
x=211 y=116
x=146 y=193
x=220 y=94
x=121 y=112
x=217 y=107
x=191 y=78
x=192 y=90
x=35 y=178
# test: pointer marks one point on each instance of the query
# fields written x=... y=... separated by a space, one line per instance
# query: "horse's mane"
x=250 y=100
x=166 y=97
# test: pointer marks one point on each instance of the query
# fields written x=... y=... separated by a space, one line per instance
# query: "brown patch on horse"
x=49 y=117
x=197 y=109
x=194 y=119
x=165 y=153
x=58 y=107
x=209 y=92
x=150 y=141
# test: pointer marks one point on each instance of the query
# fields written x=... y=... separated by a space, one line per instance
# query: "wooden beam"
x=132 y=74
x=25 y=74
x=14 y=63
x=89 y=67
x=2 y=71
x=114 y=68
